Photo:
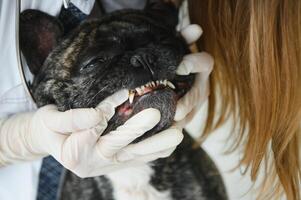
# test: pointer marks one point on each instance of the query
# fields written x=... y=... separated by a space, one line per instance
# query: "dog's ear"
x=39 y=34
x=165 y=11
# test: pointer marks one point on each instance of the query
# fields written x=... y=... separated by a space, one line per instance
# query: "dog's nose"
x=145 y=61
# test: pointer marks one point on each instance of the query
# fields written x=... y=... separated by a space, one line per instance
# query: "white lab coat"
x=20 y=181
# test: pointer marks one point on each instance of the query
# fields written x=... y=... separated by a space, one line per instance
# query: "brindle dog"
x=138 y=50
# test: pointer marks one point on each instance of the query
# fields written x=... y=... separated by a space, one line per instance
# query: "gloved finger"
x=181 y=123
x=70 y=120
x=76 y=147
x=162 y=141
x=136 y=161
x=107 y=106
x=196 y=63
x=140 y=123
x=114 y=166
x=81 y=118
x=191 y=33
x=195 y=96
x=155 y=156
x=103 y=170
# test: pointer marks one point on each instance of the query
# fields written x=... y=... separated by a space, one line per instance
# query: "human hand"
x=74 y=138
x=201 y=64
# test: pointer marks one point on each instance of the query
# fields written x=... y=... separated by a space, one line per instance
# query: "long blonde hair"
x=256 y=45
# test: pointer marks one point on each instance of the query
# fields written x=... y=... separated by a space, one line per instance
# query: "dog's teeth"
x=131 y=97
x=139 y=91
x=148 y=85
x=165 y=82
x=158 y=83
x=143 y=87
x=171 y=85
x=153 y=83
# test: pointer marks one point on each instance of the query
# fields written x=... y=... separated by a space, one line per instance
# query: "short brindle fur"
x=124 y=49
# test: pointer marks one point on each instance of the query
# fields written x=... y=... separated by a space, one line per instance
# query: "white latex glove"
x=74 y=138
x=202 y=65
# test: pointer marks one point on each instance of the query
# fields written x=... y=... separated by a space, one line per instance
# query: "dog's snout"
x=145 y=61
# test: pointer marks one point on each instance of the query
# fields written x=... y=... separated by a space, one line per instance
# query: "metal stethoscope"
x=18 y=52
x=20 y=61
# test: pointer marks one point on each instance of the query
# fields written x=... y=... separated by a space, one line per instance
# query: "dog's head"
x=129 y=49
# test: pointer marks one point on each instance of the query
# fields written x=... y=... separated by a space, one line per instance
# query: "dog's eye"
x=93 y=63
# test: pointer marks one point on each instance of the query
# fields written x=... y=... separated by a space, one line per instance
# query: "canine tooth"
x=131 y=97
x=153 y=83
x=158 y=82
x=171 y=85
x=165 y=82
x=139 y=91
x=147 y=85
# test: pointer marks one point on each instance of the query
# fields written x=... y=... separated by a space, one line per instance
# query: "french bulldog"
x=138 y=50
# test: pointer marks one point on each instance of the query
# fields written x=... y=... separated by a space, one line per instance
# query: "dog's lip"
x=149 y=87
x=127 y=107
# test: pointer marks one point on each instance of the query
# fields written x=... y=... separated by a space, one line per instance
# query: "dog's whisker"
x=97 y=94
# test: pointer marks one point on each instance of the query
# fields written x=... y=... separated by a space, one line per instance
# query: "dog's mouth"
x=137 y=94
x=160 y=94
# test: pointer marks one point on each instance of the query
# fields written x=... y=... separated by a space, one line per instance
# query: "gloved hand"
x=200 y=63
x=74 y=138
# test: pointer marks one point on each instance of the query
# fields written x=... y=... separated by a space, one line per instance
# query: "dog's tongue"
x=163 y=99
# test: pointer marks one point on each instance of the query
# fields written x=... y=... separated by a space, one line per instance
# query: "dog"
x=138 y=50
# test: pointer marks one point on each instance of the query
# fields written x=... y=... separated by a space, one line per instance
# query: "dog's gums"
x=134 y=95
x=160 y=94
x=150 y=88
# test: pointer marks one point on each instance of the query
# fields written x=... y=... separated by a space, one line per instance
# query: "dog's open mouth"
x=139 y=93
x=160 y=94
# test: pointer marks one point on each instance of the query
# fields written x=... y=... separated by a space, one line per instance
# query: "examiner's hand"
x=74 y=138
x=201 y=64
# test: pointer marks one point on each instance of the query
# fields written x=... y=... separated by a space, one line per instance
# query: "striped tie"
x=49 y=179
